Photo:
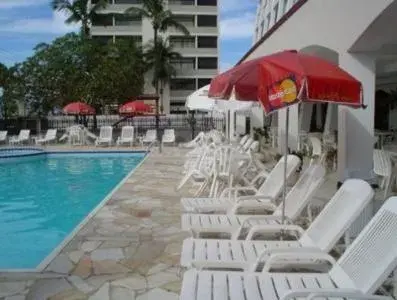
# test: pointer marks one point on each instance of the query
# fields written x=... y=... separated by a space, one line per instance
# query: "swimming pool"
x=44 y=198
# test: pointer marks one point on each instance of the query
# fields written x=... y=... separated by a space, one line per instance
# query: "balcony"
x=116 y=30
x=193 y=51
x=188 y=6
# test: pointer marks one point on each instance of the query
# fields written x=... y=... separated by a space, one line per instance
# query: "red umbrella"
x=284 y=78
x=135 y=107
x=78 y=108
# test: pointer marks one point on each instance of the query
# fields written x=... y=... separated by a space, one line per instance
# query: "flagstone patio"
x=128 y=250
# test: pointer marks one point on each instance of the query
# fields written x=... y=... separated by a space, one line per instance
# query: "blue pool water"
x=43 y=198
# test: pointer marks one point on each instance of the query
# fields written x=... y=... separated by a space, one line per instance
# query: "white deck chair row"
x=357 y=274
x=341 y=211
x=23 y=137
x=234 y=224
x=270 y=189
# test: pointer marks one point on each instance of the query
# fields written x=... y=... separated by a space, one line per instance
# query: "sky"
x=26 y=23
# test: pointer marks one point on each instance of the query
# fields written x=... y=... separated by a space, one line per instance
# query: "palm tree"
x=160 y=58
x=79 y=11
x=162 y=19
x=3 y=74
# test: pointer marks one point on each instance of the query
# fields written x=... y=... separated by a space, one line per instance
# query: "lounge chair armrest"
x=218 y=265
x=269 y=252
x=233 y=192
x=257 y=197
x=315 y=292
x=267 y=218
x=273 y=229
x=346 y=294
x=251 y=203
x=296 y=257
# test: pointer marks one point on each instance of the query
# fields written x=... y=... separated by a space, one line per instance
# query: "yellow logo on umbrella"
x=289 y=91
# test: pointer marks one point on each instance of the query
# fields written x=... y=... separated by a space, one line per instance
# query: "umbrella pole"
x=285 y=165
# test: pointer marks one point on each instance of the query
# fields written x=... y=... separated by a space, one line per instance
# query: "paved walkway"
x=129 y=250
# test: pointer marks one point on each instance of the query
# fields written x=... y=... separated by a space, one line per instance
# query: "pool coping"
x=54 y=253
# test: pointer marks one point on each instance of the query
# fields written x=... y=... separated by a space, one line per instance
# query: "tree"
x=79 y=11
x=162 y=19
x=56 y=74
x=3 y=74
x=160 y=59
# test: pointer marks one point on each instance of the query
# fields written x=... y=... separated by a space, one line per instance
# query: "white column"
x=305 y=118
x=331 y=120
x=319 y=116
x=232 y=124
x=356 y=126
x=293 y=128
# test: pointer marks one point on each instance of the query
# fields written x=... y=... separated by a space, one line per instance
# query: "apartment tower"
x=200 y=50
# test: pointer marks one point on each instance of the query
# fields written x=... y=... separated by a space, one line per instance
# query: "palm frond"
x=138 y=12
x=169 y=21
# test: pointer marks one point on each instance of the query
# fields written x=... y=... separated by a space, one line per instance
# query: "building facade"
x=199 y=50
x=354 y=34
x=268 y=13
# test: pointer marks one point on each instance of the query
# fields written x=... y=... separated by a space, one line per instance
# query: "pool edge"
x=54 y=253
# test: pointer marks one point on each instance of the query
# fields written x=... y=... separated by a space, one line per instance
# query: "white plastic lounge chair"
x=50 y=136
x=358 y=273
x=150 y=137
x=196 y=142
x=271 y=189
x=23 y=136
x=105 y=136
x=233 y=224
x=127 y=136
x=329 y=226
x=168 y=137
x=3 y=136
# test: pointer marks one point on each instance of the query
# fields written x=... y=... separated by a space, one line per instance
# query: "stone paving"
x=129 y=250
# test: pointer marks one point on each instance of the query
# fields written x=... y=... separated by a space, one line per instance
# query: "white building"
x=199 y=50
x=358 y=35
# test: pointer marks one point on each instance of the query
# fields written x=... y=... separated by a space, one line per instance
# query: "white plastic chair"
x=233 y=224
x=3 y=136
x=105 y=136
x=24 y=136
x=358 y=273
x=50 y=136
x=150 y=137
x=325 y=231
x=270 y=189
x=168 y=137
x=127 y=136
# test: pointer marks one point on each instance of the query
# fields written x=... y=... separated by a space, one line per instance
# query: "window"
x=203 y=82
x=207 y=21
x=181 y=2
x=125 y=20
x=184 y=64
x=127 y=1
x=207 y=42
x=206 y=2
x=183 y=42
x=183 y=84
x=268 y=19
x=208 y=63
x=103 y=39
x=285 y=4
x=102 y=20
x=186 y=20
x=275 y=11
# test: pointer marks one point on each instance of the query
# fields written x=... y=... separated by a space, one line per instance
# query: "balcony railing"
x=181 y=2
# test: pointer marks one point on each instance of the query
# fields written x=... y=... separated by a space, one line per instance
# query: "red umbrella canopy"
x=78 y=108
x=284 y=78
x=135 y=107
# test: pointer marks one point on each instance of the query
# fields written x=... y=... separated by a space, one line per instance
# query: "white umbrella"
x=199 y=100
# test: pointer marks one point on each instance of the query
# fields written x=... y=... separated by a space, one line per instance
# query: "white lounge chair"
x=50 y=136
x=297 y=199
x=105 y=136
x=168 y=136
x=196 y=142
x=127 y=136
x=329 y=226
x=150 y=137
x=271 y=189
x=3 y=136
x=24 y=136
x=358 y=273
